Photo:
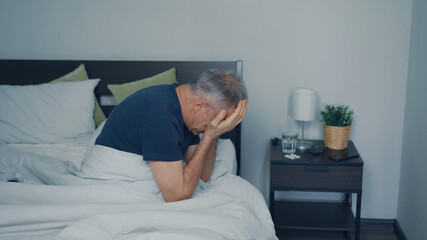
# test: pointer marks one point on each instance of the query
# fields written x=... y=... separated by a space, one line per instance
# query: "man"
x=161 y=124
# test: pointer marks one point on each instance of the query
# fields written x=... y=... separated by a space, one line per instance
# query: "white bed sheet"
x=54 y=203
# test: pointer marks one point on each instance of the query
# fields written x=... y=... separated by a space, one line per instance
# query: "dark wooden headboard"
x=22 y=72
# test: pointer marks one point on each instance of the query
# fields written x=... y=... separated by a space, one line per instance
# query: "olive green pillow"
x=122 y=91
x=79 y=74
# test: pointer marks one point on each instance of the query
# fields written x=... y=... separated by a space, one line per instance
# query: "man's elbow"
x=175 y=197
x=205 y=178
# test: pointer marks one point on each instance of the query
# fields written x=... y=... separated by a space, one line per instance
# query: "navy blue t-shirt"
x=149 y=123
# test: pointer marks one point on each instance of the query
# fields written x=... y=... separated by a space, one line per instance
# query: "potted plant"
x=336 y=122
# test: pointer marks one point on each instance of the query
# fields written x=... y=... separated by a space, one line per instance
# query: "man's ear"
x=200 y=105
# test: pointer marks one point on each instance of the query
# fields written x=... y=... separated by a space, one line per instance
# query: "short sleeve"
x=161 y=141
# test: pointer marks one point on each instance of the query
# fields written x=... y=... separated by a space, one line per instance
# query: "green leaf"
x=340 y=115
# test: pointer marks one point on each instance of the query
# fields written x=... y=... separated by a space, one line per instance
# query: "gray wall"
x=350 y=52
x=412 y=209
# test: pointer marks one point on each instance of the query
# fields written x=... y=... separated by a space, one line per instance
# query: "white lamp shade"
x=304 y=104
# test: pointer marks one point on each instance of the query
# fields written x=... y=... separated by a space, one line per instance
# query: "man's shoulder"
x=161 y=88
x=155 y=95
x=157 y=103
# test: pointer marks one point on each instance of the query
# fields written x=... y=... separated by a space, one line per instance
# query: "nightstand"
x=318 y=174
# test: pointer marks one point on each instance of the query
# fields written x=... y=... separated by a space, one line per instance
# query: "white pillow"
x=227 y=153
x=47 y=113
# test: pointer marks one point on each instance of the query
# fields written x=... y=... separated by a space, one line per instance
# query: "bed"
x=42 y=195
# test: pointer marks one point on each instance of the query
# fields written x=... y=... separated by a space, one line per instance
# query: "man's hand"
x=220 y=125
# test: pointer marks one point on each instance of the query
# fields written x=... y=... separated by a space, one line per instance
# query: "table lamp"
x=304 y=109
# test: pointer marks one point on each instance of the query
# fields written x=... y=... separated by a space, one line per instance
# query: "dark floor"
x=366 y=234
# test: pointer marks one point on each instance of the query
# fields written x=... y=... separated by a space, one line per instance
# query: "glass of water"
x=289 y=141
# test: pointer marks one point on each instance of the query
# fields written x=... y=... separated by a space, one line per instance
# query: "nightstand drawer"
x=316 y=177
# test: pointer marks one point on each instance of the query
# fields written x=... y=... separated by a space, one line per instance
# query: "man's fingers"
x=243 y=114
x=236 y=117
x=239 y=108
x=243 y=111
x=236 y=112
x=231 y=120
x=219 y=117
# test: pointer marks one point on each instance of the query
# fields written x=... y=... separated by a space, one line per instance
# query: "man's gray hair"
x=223 y=87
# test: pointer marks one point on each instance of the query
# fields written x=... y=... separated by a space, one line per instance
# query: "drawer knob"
x=316 y=168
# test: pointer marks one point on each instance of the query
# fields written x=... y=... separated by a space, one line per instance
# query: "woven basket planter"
x=336 y=137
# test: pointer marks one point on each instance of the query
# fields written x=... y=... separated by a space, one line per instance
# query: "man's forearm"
x=209 y=161
x=195 y=167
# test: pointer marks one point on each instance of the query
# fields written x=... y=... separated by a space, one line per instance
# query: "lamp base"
x=304 y=145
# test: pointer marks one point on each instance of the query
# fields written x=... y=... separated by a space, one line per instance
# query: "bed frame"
x=22 y=72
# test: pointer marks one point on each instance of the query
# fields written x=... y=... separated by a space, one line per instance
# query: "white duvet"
x=52 y=202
